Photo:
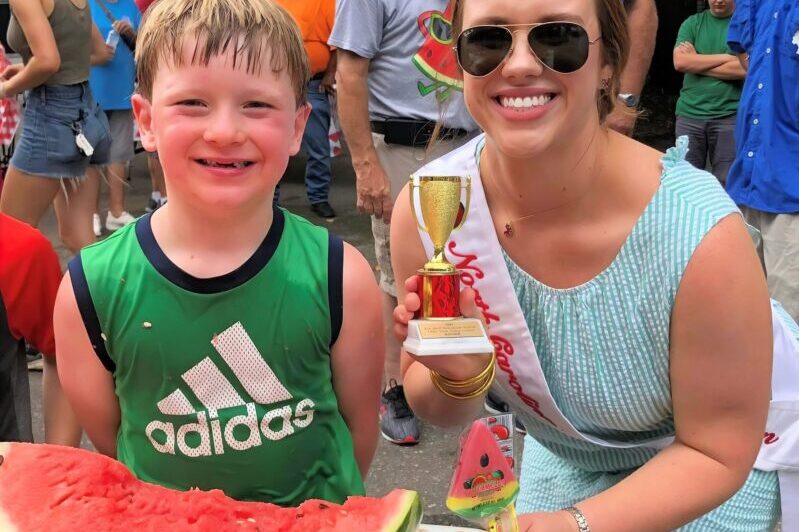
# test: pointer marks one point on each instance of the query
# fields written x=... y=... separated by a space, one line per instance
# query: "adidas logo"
x=211 y=388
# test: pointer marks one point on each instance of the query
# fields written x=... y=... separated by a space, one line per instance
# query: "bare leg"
x=27 y=197
x=116 y=175
x=393 y=370
x=93 y=174
x=156 y=175
x=74 y=207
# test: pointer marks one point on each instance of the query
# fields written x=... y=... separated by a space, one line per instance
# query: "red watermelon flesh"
x=62 y=489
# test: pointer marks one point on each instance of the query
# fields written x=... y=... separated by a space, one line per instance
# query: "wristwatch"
x=629 y=100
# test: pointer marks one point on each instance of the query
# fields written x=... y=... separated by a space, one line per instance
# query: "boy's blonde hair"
x=255 y=30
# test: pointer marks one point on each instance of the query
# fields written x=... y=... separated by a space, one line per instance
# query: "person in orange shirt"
x=315 y=19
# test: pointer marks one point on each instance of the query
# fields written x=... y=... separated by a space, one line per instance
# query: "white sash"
x=475 y=250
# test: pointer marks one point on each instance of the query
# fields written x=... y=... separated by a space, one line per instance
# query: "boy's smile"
x=224 y=135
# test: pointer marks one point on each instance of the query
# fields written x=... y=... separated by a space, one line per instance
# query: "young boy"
x=218 y=342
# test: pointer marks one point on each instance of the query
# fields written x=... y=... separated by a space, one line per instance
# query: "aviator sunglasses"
x=560 y=46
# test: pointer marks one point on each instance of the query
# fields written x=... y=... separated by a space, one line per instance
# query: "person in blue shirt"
x=764 y=179
x=112 y=85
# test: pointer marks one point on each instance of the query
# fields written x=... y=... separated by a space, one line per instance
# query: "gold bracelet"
x=466 y=383
x=462 y=396
x=485 y=379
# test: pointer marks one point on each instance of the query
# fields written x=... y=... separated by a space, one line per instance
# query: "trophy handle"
x=468 y=188
x=411 y=186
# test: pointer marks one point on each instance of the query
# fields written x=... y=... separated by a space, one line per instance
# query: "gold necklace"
x=508 y=227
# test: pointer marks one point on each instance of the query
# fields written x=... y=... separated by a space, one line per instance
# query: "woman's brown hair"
x=615 y=46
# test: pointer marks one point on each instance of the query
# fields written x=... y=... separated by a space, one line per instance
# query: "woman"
x=112 y=84
x=649 y=392
x=63 y=128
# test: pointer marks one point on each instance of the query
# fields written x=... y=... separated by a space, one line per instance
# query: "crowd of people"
x=643 y=310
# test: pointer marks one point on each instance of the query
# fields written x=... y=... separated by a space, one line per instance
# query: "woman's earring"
x=605 y=84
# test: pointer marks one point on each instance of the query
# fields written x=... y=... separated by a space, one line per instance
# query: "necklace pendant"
x=508 y=230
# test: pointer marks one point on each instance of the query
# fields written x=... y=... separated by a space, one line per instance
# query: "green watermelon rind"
x=435 y=75
x=408 y=514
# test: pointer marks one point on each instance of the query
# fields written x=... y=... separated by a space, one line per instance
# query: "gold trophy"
x=438 y=328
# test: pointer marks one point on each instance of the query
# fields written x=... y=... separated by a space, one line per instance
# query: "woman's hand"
x=10 y=71
x=123 y=27
x=328 y=83
x=456 y=366
x=104 y=55
x=560 y=521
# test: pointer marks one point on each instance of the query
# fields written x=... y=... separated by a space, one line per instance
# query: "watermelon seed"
x=484 y=460
x=323 y=506
x=1 y=459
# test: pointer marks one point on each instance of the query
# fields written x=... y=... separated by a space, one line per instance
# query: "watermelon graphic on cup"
x=436 y=58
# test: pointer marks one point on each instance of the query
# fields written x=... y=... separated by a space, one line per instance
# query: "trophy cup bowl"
x=438 y=327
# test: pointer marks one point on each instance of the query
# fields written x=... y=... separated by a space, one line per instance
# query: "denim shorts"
x=52 y=116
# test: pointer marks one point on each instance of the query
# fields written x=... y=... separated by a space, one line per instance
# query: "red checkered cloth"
x=9 y=110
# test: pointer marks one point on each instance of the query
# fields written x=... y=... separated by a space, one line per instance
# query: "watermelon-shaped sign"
x=48 y=488
x=436 y=58
x=483 y=484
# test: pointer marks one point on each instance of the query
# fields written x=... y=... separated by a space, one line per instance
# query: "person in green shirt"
x=711 y=89
x=221 y=342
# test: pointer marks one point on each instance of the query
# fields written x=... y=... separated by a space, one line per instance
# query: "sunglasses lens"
x=481 y=49
x=561 y=46
x=441 y=29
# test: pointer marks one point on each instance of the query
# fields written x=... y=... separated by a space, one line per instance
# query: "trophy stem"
x=439 y=263
x=439 y=294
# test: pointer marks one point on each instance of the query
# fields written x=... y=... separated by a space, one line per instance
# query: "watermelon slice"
x=59 y=489
x=484 y=483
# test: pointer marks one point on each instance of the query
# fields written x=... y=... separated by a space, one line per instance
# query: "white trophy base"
x=460 y=336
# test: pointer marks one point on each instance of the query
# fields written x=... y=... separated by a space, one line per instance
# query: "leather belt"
x=408 y=132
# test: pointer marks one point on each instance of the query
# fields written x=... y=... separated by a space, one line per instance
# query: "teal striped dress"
x=604 y=349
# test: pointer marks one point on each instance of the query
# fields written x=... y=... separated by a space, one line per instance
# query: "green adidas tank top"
x=224 y=382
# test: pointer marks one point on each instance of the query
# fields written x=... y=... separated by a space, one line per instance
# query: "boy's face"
x=223 y=135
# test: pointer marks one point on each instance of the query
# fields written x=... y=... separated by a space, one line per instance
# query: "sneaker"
x=96 y=226
x=112 y=223
x=323 y=210
x=495 y=405
x=35 y=361
x=398 y=424
x=152 y=204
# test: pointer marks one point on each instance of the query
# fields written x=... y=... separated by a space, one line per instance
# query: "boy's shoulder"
x=296 y=226
x=110 y=247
